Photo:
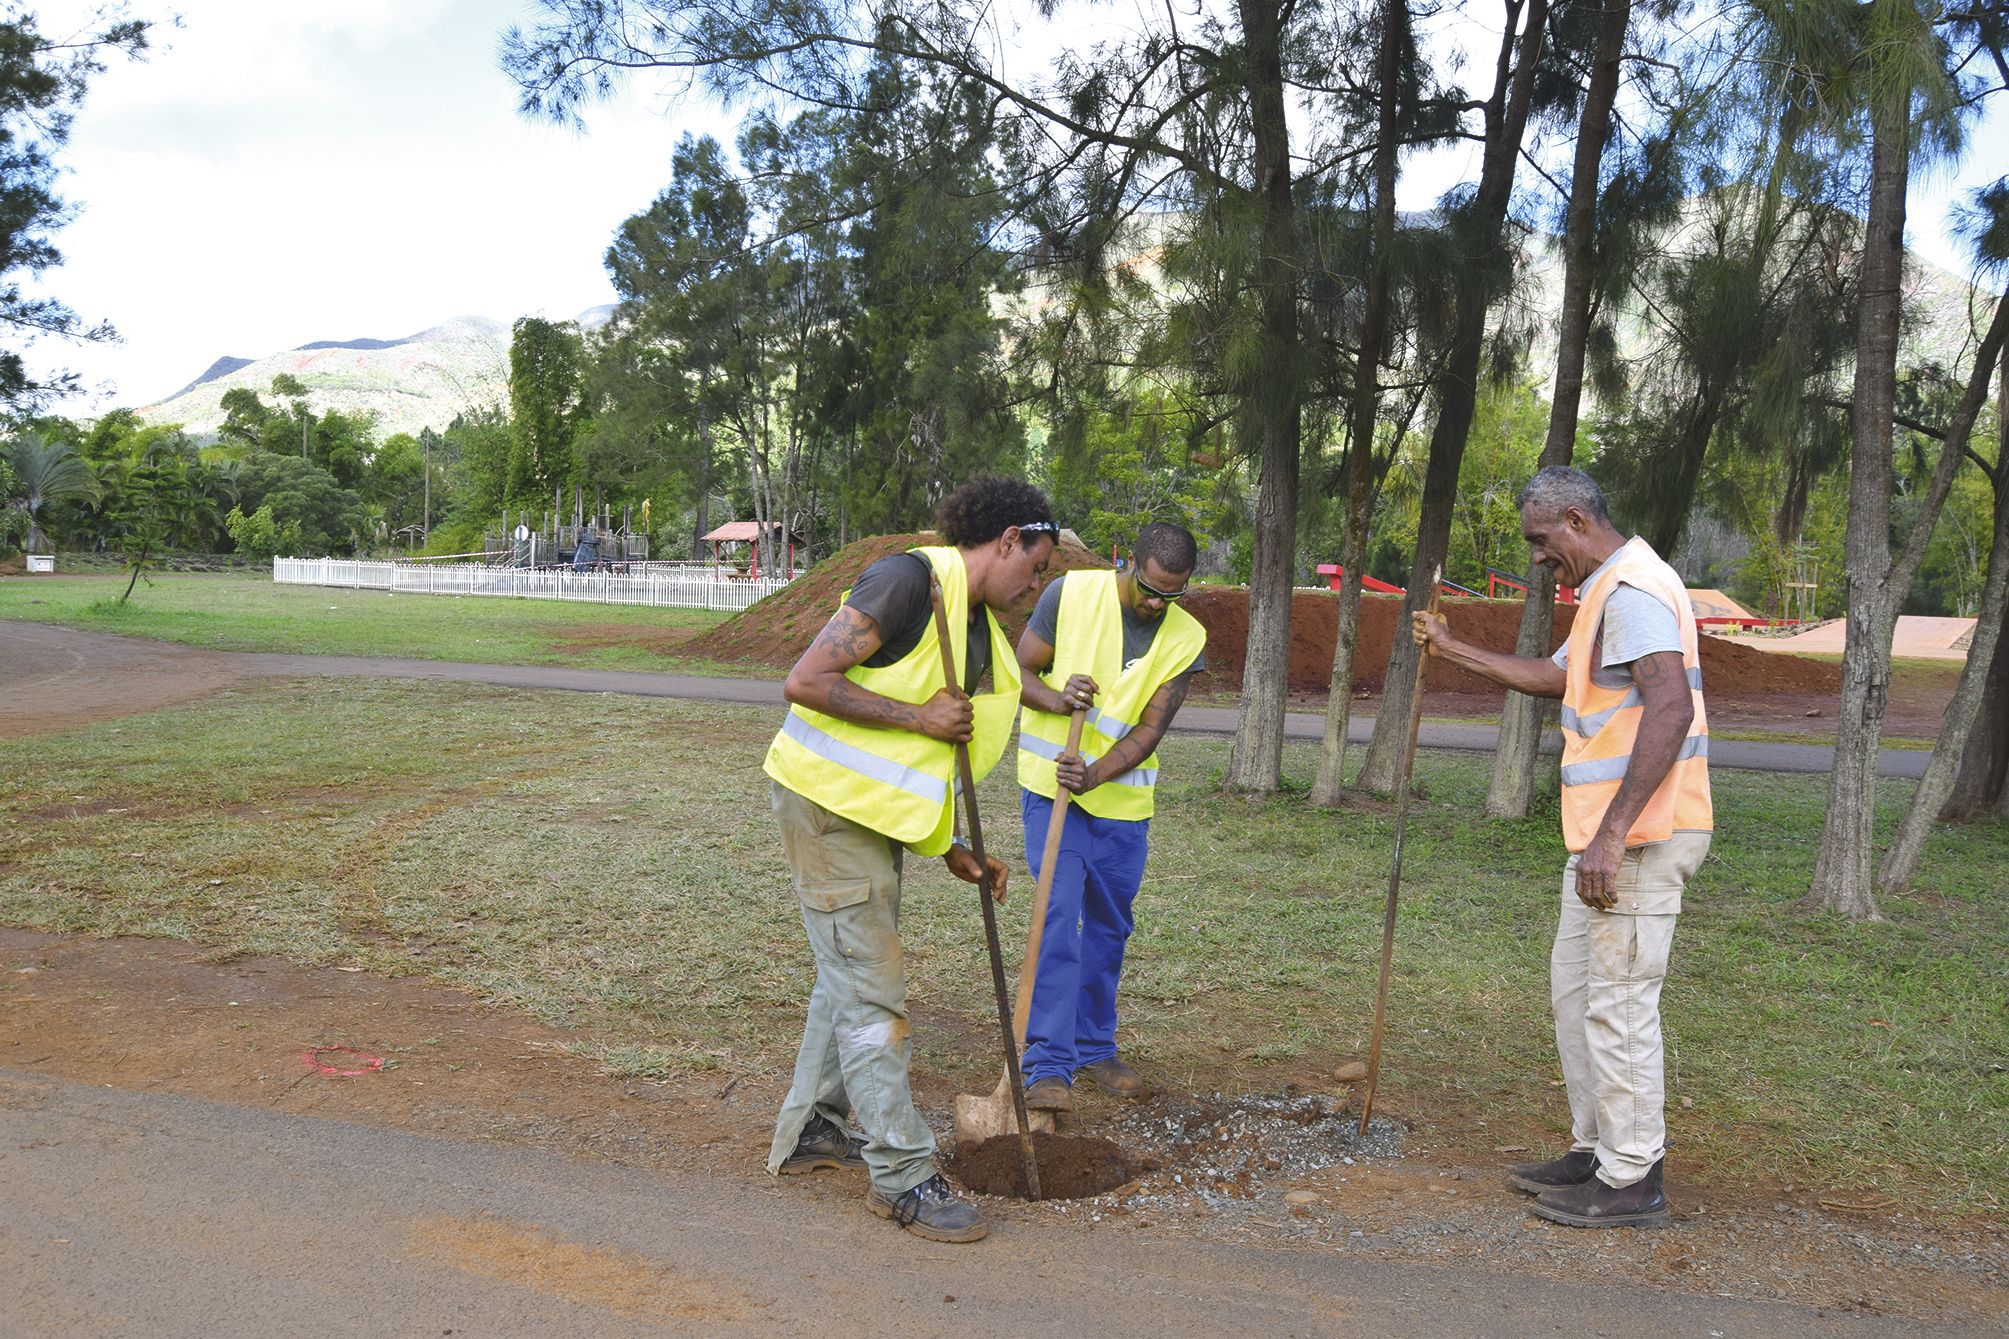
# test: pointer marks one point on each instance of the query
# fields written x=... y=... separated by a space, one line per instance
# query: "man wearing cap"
x=1117 y=644
x=1637 y=821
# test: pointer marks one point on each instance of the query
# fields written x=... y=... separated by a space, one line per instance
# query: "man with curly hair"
x=863 y=771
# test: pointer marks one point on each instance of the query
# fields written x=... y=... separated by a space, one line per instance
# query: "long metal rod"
x=1403 y=770
x=990 y=912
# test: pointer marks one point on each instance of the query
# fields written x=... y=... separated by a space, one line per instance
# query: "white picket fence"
x=665 y=587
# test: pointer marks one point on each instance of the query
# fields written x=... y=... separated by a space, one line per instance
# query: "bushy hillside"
x=418 y=381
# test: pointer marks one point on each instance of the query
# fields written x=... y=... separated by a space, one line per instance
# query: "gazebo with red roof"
x=748 y=532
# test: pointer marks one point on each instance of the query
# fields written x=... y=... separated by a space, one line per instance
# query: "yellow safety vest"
x=1600 y=724
x=901 y=782
x=1089 y=630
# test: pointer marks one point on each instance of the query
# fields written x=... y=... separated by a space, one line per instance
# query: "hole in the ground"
x=1071 y=1167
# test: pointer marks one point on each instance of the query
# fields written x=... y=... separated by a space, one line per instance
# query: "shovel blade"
x=993 y=1114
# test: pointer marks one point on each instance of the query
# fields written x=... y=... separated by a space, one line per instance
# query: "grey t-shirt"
x=1635 y=625
x=1138 y=633
x=896 y=594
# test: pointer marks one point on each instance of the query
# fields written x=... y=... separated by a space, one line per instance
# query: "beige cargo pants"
x=1605 y=974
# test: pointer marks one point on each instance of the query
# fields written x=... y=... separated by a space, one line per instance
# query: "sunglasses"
x=1166 y=595
x=1040 y=528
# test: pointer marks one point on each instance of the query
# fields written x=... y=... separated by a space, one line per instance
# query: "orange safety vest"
x=1600 y=724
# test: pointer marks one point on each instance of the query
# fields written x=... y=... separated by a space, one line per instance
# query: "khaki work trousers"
x=855 y=1042
x=1605 y=974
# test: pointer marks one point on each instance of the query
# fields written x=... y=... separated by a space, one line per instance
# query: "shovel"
x=980 y=1118
x=969 y=780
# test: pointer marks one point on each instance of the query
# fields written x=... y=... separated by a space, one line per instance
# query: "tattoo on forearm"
x=853 y=703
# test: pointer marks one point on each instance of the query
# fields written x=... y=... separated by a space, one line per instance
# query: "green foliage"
x=42 y=82
x=546 y=406
x=43 y=474
x=260 y=535
x=304 y=499
x=1126 y=467
x=1509 y=424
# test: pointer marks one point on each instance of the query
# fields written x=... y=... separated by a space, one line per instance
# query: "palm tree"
x=46 y=472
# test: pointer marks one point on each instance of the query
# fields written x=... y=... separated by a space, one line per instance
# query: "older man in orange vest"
x=1637 y=821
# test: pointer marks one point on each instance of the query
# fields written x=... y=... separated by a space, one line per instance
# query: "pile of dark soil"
x=1071 y=1167
x=1726 y=665
x=779 y=629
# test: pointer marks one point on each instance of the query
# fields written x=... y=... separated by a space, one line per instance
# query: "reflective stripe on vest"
x=901 y=782
x=1089 y=633
x=1601 y=716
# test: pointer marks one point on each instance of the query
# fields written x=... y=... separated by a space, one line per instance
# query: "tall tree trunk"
x=1843 y=868
x=1329 y=783
x=1273 y=412
x=702 y=526
x=1506 y=122
x=1984 y=765
x=1901 y=861
x=1523 y=717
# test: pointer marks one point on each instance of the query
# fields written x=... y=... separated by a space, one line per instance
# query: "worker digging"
x=863 y=770
x=889 y=705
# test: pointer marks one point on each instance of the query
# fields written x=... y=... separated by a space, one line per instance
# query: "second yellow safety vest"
x=1089 y=630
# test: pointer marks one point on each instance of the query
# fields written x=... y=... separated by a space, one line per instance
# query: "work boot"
x=930 y=1210
x=1049 y=1094
x=1115 y=1078
x=1571 y=1169
x=1595 y=1204
x=821 y=1145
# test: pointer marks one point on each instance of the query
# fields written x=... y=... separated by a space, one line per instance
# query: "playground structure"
x=554 y=543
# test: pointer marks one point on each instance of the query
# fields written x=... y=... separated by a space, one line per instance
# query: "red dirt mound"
x=779 y=629
x=1726 y=666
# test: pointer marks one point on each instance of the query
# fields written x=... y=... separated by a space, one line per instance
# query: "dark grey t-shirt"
x=1138 y=633
x=895 y=593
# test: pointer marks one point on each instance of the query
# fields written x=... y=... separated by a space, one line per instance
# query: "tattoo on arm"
x=853 y=703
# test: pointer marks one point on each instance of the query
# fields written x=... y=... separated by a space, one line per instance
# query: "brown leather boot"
x=1115 y=1078
x=1571 y=1169
x=1595 y=1204
x=1049 y=1094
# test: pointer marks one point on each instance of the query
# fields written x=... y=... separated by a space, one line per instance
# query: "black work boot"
x=1595 y=1204
x=930 y=1209
x=822 y=1144
x=1571 y=1169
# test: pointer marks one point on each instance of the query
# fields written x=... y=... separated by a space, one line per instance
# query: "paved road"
x=141 y=1214
x=1741 y=754
x=42 y=658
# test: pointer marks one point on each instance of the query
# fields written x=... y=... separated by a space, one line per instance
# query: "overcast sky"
x=278 y=172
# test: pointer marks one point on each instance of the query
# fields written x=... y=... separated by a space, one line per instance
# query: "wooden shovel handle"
x=1035 y=932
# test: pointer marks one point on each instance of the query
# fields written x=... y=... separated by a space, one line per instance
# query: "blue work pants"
x=1101 y=864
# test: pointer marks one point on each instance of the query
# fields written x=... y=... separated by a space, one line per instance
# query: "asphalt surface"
x=1192 y=719
x=142 y=1214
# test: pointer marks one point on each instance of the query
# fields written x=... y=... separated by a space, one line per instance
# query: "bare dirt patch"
x=1268 y=1170
x=59 y=679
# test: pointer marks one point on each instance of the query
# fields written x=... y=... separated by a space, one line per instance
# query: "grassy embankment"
x=252 y=613
x=608 y=865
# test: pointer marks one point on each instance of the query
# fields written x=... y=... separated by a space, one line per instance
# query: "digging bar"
x=1406 y=765
x=969 y=781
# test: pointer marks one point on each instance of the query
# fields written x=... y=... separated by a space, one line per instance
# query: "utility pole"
x=425 y=447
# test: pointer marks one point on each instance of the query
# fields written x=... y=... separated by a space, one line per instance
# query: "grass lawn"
x=231 y=612
x=609 y=865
